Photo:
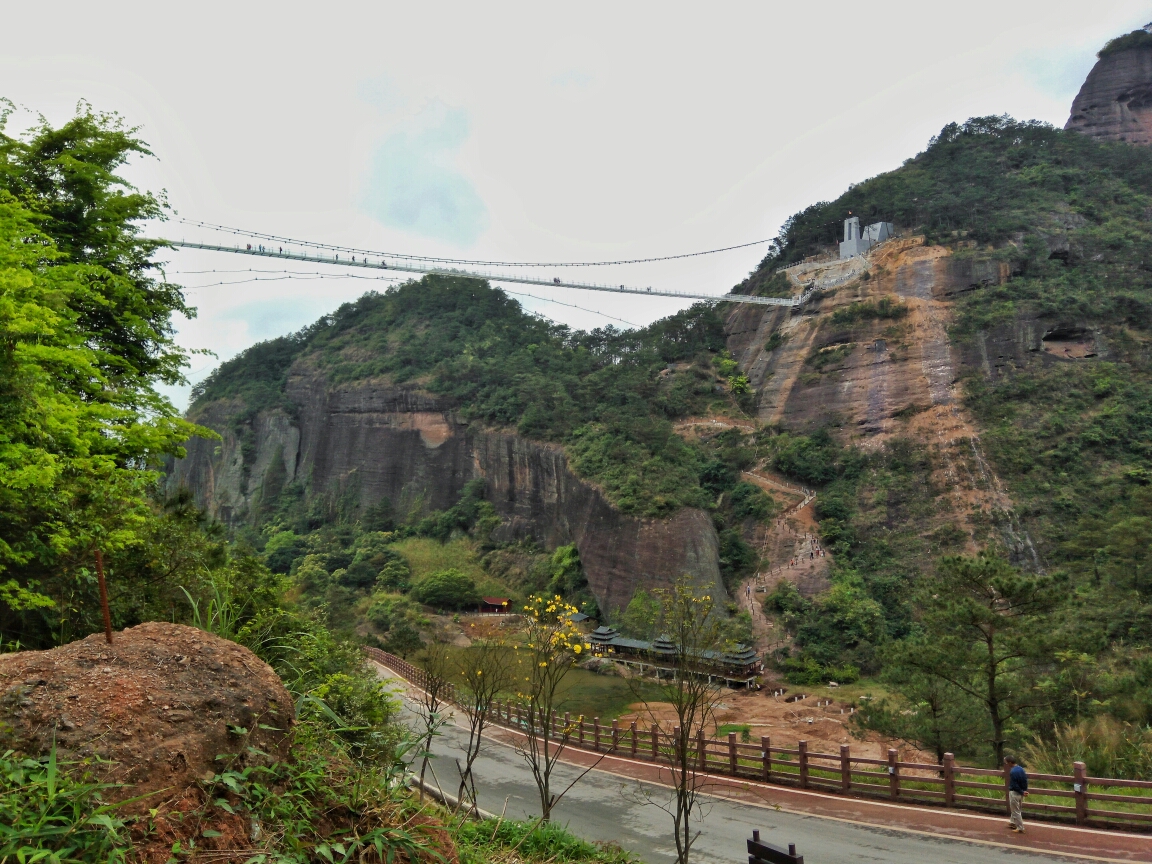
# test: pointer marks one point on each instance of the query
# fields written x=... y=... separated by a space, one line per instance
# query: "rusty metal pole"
x=104 y=596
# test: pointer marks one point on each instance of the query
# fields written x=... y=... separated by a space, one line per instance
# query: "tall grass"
x=222 y=615
x=1108 y=747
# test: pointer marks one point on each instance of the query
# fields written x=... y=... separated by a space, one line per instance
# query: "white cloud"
x=415 y=185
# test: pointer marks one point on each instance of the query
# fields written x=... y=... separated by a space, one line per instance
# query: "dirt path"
x=712 y=424
x=789 y=548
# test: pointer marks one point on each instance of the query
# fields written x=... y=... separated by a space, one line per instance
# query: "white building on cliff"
x=857 y=242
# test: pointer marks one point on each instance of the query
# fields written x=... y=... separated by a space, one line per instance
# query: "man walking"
x=1017 y=789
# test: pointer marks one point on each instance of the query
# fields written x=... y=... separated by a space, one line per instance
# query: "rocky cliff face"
x=1115 y=102
x=369 y=440
x=897 y=377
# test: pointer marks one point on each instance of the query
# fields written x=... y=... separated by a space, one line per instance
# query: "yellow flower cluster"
x=550 y=626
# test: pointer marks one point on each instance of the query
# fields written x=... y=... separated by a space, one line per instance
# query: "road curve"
x=608 y=807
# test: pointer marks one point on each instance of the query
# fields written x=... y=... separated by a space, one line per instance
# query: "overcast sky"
x=535 y=132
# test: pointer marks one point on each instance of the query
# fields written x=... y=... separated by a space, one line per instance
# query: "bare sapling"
x=552 y=645
x=689 y=620
x=485 y=671
x=433 y=700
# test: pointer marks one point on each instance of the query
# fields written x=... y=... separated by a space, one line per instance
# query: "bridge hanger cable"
x=281 y=275
x=404 y=265
x=256 y=235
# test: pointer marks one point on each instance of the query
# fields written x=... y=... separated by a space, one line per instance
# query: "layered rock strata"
x=367 y=441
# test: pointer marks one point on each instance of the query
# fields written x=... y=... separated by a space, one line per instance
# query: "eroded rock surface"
x=158 y=705
x=1115 y=101
x=372 y=440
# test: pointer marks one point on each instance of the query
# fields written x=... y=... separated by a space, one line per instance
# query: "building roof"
x=495 y=601
x=739 y=655
x=577 y=617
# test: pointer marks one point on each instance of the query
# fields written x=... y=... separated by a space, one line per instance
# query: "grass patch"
x=885 y=307
x=743 y=729
x=426 y=556
x=49 y=814
x=604 y=696
x=480 y=842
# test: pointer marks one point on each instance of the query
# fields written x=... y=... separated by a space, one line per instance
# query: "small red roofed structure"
x=493 y=605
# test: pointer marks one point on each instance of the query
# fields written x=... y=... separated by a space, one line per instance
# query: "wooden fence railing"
x=1099 y=801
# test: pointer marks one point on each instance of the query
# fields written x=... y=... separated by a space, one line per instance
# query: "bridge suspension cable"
x=282 y=275
x=256 y=235
x=412 y=265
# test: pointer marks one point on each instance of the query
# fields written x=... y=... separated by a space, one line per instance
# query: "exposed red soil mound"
x=159 y=705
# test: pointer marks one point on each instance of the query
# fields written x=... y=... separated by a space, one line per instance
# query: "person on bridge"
x=1017 y=789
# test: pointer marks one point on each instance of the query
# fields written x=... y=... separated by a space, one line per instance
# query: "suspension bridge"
x=412 y=265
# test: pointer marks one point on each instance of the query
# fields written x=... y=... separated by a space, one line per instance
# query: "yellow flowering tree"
x=553 y=644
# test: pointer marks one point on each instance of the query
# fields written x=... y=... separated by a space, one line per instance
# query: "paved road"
x=606 y=807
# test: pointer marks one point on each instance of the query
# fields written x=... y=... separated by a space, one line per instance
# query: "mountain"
x=404 y=398
x=979 y=383
x=1115 y=102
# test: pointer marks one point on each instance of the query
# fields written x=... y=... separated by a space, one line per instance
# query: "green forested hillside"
x=86 y=338
x=1071 y=440
x=600 y=393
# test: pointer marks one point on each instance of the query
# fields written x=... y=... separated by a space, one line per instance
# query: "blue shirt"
x=1017 y=779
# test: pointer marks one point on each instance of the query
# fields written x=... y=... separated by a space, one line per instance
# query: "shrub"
x=447 y=589
x=281 y=550
x=885 y=307
x=807 y=672
x=750 y=502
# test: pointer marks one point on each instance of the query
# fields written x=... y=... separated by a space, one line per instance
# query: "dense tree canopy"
x=85 y=335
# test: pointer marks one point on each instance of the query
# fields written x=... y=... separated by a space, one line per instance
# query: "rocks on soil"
x=156 y=707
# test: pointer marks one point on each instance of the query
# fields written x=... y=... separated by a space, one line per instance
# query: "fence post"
x=949 y=779
x=581 y=721
x=766 y=755
x=732 y=761
x=555 y=718
x=615 y=735
x=676 y=754
x=596 y=733
x=567 y=724
x=802 y=746
x=1007 y=786
x=893 y=774
x=655 y=742
x=701 y=751
x=1080 y=788
x=845 y=769
x=632 y=733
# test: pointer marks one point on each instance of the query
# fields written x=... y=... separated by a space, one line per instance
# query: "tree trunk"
x=993 y=702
